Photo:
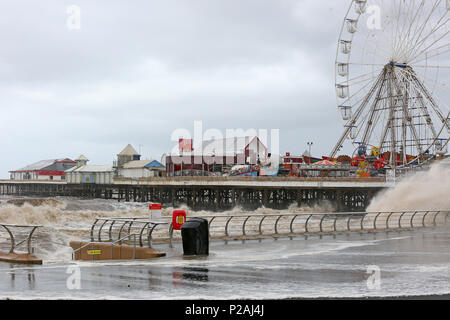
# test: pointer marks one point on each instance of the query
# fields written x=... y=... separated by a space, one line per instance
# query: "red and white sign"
x=155 y=210
x=185 y=145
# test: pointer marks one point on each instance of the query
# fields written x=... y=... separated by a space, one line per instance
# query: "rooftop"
x=91 y=168
x=42 y=164
x=142 y=164
x=128 y=151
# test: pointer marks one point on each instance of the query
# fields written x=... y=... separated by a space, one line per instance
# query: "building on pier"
x=44 y=170
x=141 y=169
x=93 y=174
x=216 y=156
x=126 y=155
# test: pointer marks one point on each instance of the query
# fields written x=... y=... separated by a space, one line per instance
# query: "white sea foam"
x=428 y=190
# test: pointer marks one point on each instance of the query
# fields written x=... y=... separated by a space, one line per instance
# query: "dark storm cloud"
x=137 y=70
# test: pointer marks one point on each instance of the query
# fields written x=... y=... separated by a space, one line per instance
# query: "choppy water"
x=410 y=262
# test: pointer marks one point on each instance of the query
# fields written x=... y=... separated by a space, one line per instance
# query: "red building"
x=44 y=170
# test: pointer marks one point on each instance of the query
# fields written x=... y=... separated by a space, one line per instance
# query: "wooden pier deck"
x=215 y=193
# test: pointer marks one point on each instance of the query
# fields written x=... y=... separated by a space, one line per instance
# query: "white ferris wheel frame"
x=399 y=45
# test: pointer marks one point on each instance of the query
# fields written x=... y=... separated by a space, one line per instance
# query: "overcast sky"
x=137 y=70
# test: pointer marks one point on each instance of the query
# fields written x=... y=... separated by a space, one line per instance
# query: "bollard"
x=195 y=235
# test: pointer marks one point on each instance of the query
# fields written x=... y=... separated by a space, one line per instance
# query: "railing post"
x=100 y=231
x=243 y=225
x=276 y=224
x=292 y=224
x=260 y=225
x=209 y=226
x=435 y=216
x=120 y=230
x=306 y=223
x=412 y=219
x=171 y=235
x=375 y=220
x=29 y=240
x=423 y=218
x=134 y=247
x=362 y=222
x=400 y=219
x=11 y=236
x=387 y=220
x=141 y=234
x=110 y=230
x=348 y=223
x=149 y=239
x=321 y=221
x=335 y=223
x=226 y=225
x=92 y=230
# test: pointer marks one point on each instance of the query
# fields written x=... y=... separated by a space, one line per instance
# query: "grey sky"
x=137 y=70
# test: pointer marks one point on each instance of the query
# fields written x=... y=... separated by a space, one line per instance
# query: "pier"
x=216 y=193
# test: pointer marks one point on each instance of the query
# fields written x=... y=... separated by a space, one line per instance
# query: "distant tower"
x=81 y=161
x=128 y=154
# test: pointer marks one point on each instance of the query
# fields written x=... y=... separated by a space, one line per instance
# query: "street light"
x=309 y=146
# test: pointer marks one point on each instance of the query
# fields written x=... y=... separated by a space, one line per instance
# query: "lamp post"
x=309 y=146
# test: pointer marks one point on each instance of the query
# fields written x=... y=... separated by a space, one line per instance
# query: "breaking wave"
x=427 y=190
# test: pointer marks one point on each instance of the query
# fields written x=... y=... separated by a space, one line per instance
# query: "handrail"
x=122 y=225
x=13 y=239
x=353 y=222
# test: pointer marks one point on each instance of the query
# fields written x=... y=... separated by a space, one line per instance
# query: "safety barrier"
x=115 y=228
x=15 y=236
x=19 y=235
x=141 y=232
x=289 y=224
x=118 y=239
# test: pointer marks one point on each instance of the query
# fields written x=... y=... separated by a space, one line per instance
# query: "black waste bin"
x=195 y=235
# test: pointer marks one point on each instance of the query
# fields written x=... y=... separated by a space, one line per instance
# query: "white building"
x=83 y=173
x=141 y=169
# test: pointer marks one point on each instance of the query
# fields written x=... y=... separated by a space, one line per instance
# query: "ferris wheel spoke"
x=347 y=100
x=424 y=24
x=407 y=22
x=432 y=55
x=428 y=47
x=439 y=24
x=360 y=79
x=416 y=15
x=367 y=64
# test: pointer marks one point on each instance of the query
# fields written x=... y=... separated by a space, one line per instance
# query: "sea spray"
x=421 y=191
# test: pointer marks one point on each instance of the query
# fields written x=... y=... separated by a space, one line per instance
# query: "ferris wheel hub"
x=399 y=65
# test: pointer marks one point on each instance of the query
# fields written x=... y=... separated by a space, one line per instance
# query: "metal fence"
x=121 y=230
x=254 y=226
x=17 y=236
x=289 y=224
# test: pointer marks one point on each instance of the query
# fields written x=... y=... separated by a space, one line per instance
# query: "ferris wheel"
x=392 y=78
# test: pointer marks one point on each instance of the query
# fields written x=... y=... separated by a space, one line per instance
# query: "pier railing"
x=16 y=236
